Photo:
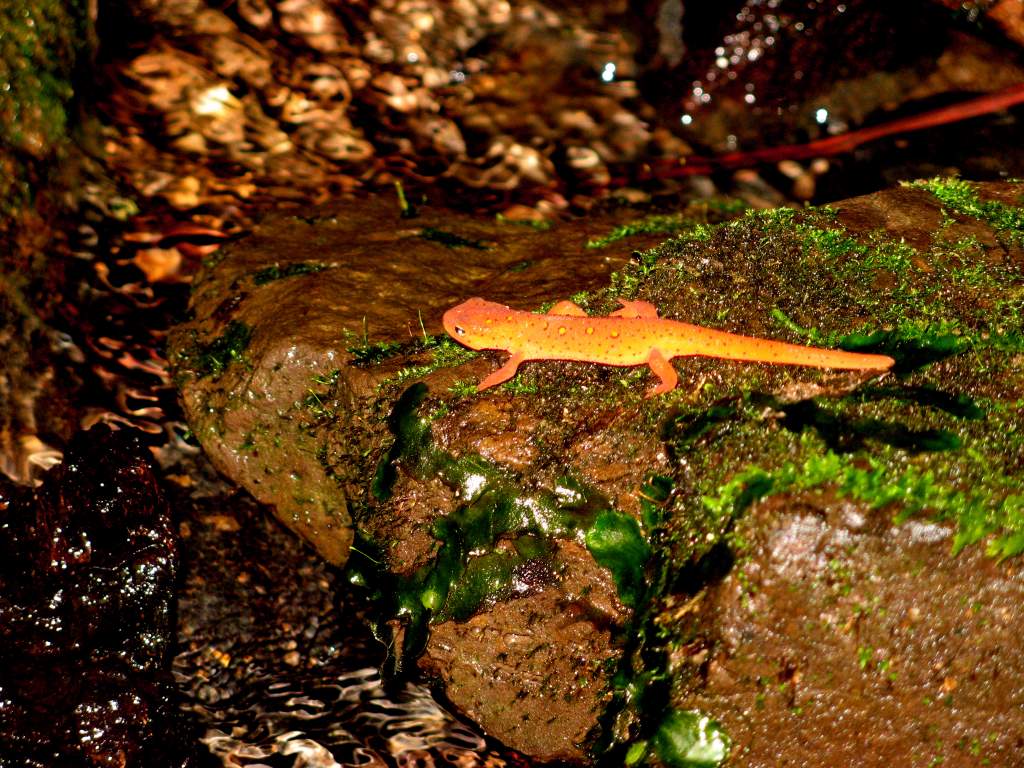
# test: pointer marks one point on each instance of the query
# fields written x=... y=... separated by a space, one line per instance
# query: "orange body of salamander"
x=632 y=335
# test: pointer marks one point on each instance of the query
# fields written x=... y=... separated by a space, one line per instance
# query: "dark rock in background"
x=87 y=577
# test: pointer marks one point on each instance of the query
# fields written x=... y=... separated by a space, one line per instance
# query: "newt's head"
x=475 y=323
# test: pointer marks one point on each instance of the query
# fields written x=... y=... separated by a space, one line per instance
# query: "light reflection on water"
x=321 y=721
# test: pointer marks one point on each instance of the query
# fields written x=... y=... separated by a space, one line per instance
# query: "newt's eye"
x=460 y=331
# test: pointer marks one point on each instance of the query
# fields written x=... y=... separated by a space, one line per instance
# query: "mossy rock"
x=487 y=524
x=40 y=46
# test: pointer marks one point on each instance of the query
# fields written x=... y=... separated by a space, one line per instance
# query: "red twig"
x=847 y=142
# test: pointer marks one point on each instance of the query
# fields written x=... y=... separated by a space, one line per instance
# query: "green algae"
x=617 y=543
x=641 y=685
x=213 y=358
x=451 y=239
x=468 y=571
x=277 y=272
x=411 y=437
x=684 y=739
x=687 y=739
x=491 y=577
x=459 y=581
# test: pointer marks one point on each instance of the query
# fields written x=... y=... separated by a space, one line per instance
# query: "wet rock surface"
x=837 y=623
x=533 y=671
x=311 y=313
x=566 y=511
x=87 y=611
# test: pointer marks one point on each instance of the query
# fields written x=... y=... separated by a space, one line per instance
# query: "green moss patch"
x=962 y=197
x=655 y=224
x=213 y=358
x=695 y=221
x=425 y=356
x=917 y=451
x=277 y=272
x=442 y=352
x=938 y=439
x=451 y=239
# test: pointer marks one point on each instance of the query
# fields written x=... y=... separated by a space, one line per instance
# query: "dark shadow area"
x=910 y=352
x=843 y=434
x=711 y=568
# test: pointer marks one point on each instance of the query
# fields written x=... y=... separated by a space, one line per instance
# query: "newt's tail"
x=731 y=346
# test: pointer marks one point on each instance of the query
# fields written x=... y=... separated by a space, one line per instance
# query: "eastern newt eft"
x=632 y=335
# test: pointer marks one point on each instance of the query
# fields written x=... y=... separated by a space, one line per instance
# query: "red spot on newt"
x=632 y=335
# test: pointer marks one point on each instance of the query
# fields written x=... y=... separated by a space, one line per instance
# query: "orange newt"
x=632 y=335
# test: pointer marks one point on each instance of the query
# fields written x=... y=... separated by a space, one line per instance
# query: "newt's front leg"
x=506 y=372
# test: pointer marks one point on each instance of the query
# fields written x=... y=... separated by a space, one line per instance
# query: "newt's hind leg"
x=506 y=372
x=643 y=310
x=661 y=367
